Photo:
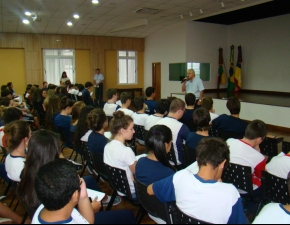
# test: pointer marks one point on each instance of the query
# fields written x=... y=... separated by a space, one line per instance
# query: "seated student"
x=140 y=116
x=60 y=190
x=201 y=120
x=76 y=109
x=110 y=107
x=162 y=110
x=52 y=110
x=126 y=103
x=151 y=104
x=198 y=194
x=86 y=94
x=279 y=165
x=231 y=123
x=116 y=154
x=6 y=212
x=6 y=93
x=207 y=103
x=275 y=213
x=179 y=130
x=17 y=135
x=189 y=110
x=246 y=152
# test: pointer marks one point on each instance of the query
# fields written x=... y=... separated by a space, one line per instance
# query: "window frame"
x=127 y=57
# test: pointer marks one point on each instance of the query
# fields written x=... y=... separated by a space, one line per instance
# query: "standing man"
x=193 y=85
x=99 y=87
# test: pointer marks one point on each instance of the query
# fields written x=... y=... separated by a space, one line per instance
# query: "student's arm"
x=200 y=97
x=184 y=86
x=133 y=167
x=6 y=212
x=84 y=204
x=237 y=215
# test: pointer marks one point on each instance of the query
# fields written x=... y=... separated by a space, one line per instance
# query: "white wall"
x=165 y=46
x=266 y=52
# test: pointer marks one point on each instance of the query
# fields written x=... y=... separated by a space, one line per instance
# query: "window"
x=127 y=67
x=202 y=70
x=56 y=61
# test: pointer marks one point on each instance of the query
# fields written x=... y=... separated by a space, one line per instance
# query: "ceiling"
x=109 y=17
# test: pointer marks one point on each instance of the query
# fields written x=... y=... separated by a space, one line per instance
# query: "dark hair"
x=212 y=151
x=207 y=103
x=52 y=109
x=71 y=86
x=124 y=97
x=190 y=99
x=63 y=73
x=57 y=90
x=36 y=85
x=15 y=132
x=96 y=119
x=62 y=91
x=201 y=119
x=55 y=184
x=155 y=141
x=81 y=87
x=67 y=82
x=88 y=84
x=82 y=127
x=52 y=86
x=256 y=129
x=111 y=92
x=44 y=147
x=11 y=114
x=234 y=105
x=76 y=109
x=5 y=93
x=98 y=69
x=120 y=121
x=28 y=88
x=162 y=106
x=149 y=91
x=9 y=84
x=3 y=87
x=65 y=102
x=45 y=82
x=39 y=95
x=139 y=103
x=176 y=105
x=5 y=101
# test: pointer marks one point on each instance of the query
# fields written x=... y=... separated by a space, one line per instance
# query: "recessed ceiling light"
x=69 y=23
x=76 y=16
x=95 y=1
x=27 y=13
x=26 y=21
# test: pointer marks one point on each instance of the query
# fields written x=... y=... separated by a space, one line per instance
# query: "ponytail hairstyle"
x=155 y=141
x=65 y=102
x=96 y=119
x=15 y=132
x=120 y=121
x=76 y=109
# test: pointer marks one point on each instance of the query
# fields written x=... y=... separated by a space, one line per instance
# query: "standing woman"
x=116 y=153
x=63 y=79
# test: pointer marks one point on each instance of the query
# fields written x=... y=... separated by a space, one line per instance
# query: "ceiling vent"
x=148 y=11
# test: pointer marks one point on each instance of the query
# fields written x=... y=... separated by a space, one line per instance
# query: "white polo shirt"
x=195 y=87
x=151 y=121
x=14 y=166
x=98 y=78
x=127 y=112
x=110 y=108
x=140 y=119
x=279 y=165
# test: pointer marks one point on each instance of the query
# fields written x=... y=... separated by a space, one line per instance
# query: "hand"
x=83 y=192
x=96 y=205
x=199 y=102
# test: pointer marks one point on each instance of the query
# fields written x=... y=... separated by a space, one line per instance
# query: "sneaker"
x=77 y=165
x=116 y=202
x=5 y=221
x=2 y=197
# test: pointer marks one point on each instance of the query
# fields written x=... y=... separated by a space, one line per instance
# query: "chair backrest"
x=171 y=156
x=225 y=135
x=139 y=132
x=269 y=147
x=109 y=118
x=240 y=176
x=4 y=151
x=285 y=147
x=213 y=132
x=99 y=165
x=86 y=153
x=119 y=181
x=275 y=189
x=179 y=217
x=189 y=155
x=150 y=203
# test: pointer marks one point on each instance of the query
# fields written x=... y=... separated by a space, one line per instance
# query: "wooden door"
x=156 y=79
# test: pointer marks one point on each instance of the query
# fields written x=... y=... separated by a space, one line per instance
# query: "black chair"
x=172 y=157
x=189 y=155
x=179 y=217
x=99 y=165
x=80 y=98
x=269 y=147
x=87 y=156
x=139 y=133
x=213 y=132
x=275 y=189
x=151 y=204
x=110 y=118
x=132 y=145
x=65 y=139
x=285 y=147
x=225 y=135
x=119 y=182
x=4 y=153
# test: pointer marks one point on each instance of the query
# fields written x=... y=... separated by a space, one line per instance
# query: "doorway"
x=156 y=79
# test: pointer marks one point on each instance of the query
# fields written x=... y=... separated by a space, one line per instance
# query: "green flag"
x=231 y=79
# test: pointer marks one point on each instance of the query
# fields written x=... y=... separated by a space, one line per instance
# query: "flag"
x=231 y=79
x=238 y=72
x=221 y=72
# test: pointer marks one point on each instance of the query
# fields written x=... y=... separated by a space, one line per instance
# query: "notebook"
x=93 y=194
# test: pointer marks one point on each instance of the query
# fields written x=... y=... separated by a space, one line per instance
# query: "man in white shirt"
x=110 y=107
x=126 y=103
x=99 y=84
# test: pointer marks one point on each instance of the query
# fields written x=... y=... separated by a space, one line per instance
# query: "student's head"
x=150 y=92
x=162 y=106
x=43 y=93
x=112 y=94
x=67 y=83
x=7 y=102
x=234 y=105
x=50 y=93
x=6 y=93
x=54 y=103
x=66 y=105
x=190 y=99
x=177 y=107
x=9 y=84
x=98 y=71
x=76 y=109
x=28 y=88
x=88 y=85
x=139 y=104
x=207 y=103
x=62 y=91
x=17 y=133
x=201 y=119
x=11 y=114
x=191 y=73
x=256 y=130
x=122 y=125
x=97 y=120
x=159 y=141
x=213 y=152
x=71 y=86
x=81 y=87
x=45 y=84
x=3 y=87
x=64 y=75
x=125 y=99
x=57 y=184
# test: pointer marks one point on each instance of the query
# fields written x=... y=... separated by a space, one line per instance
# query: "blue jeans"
x=115 y=217
x=91 y=183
